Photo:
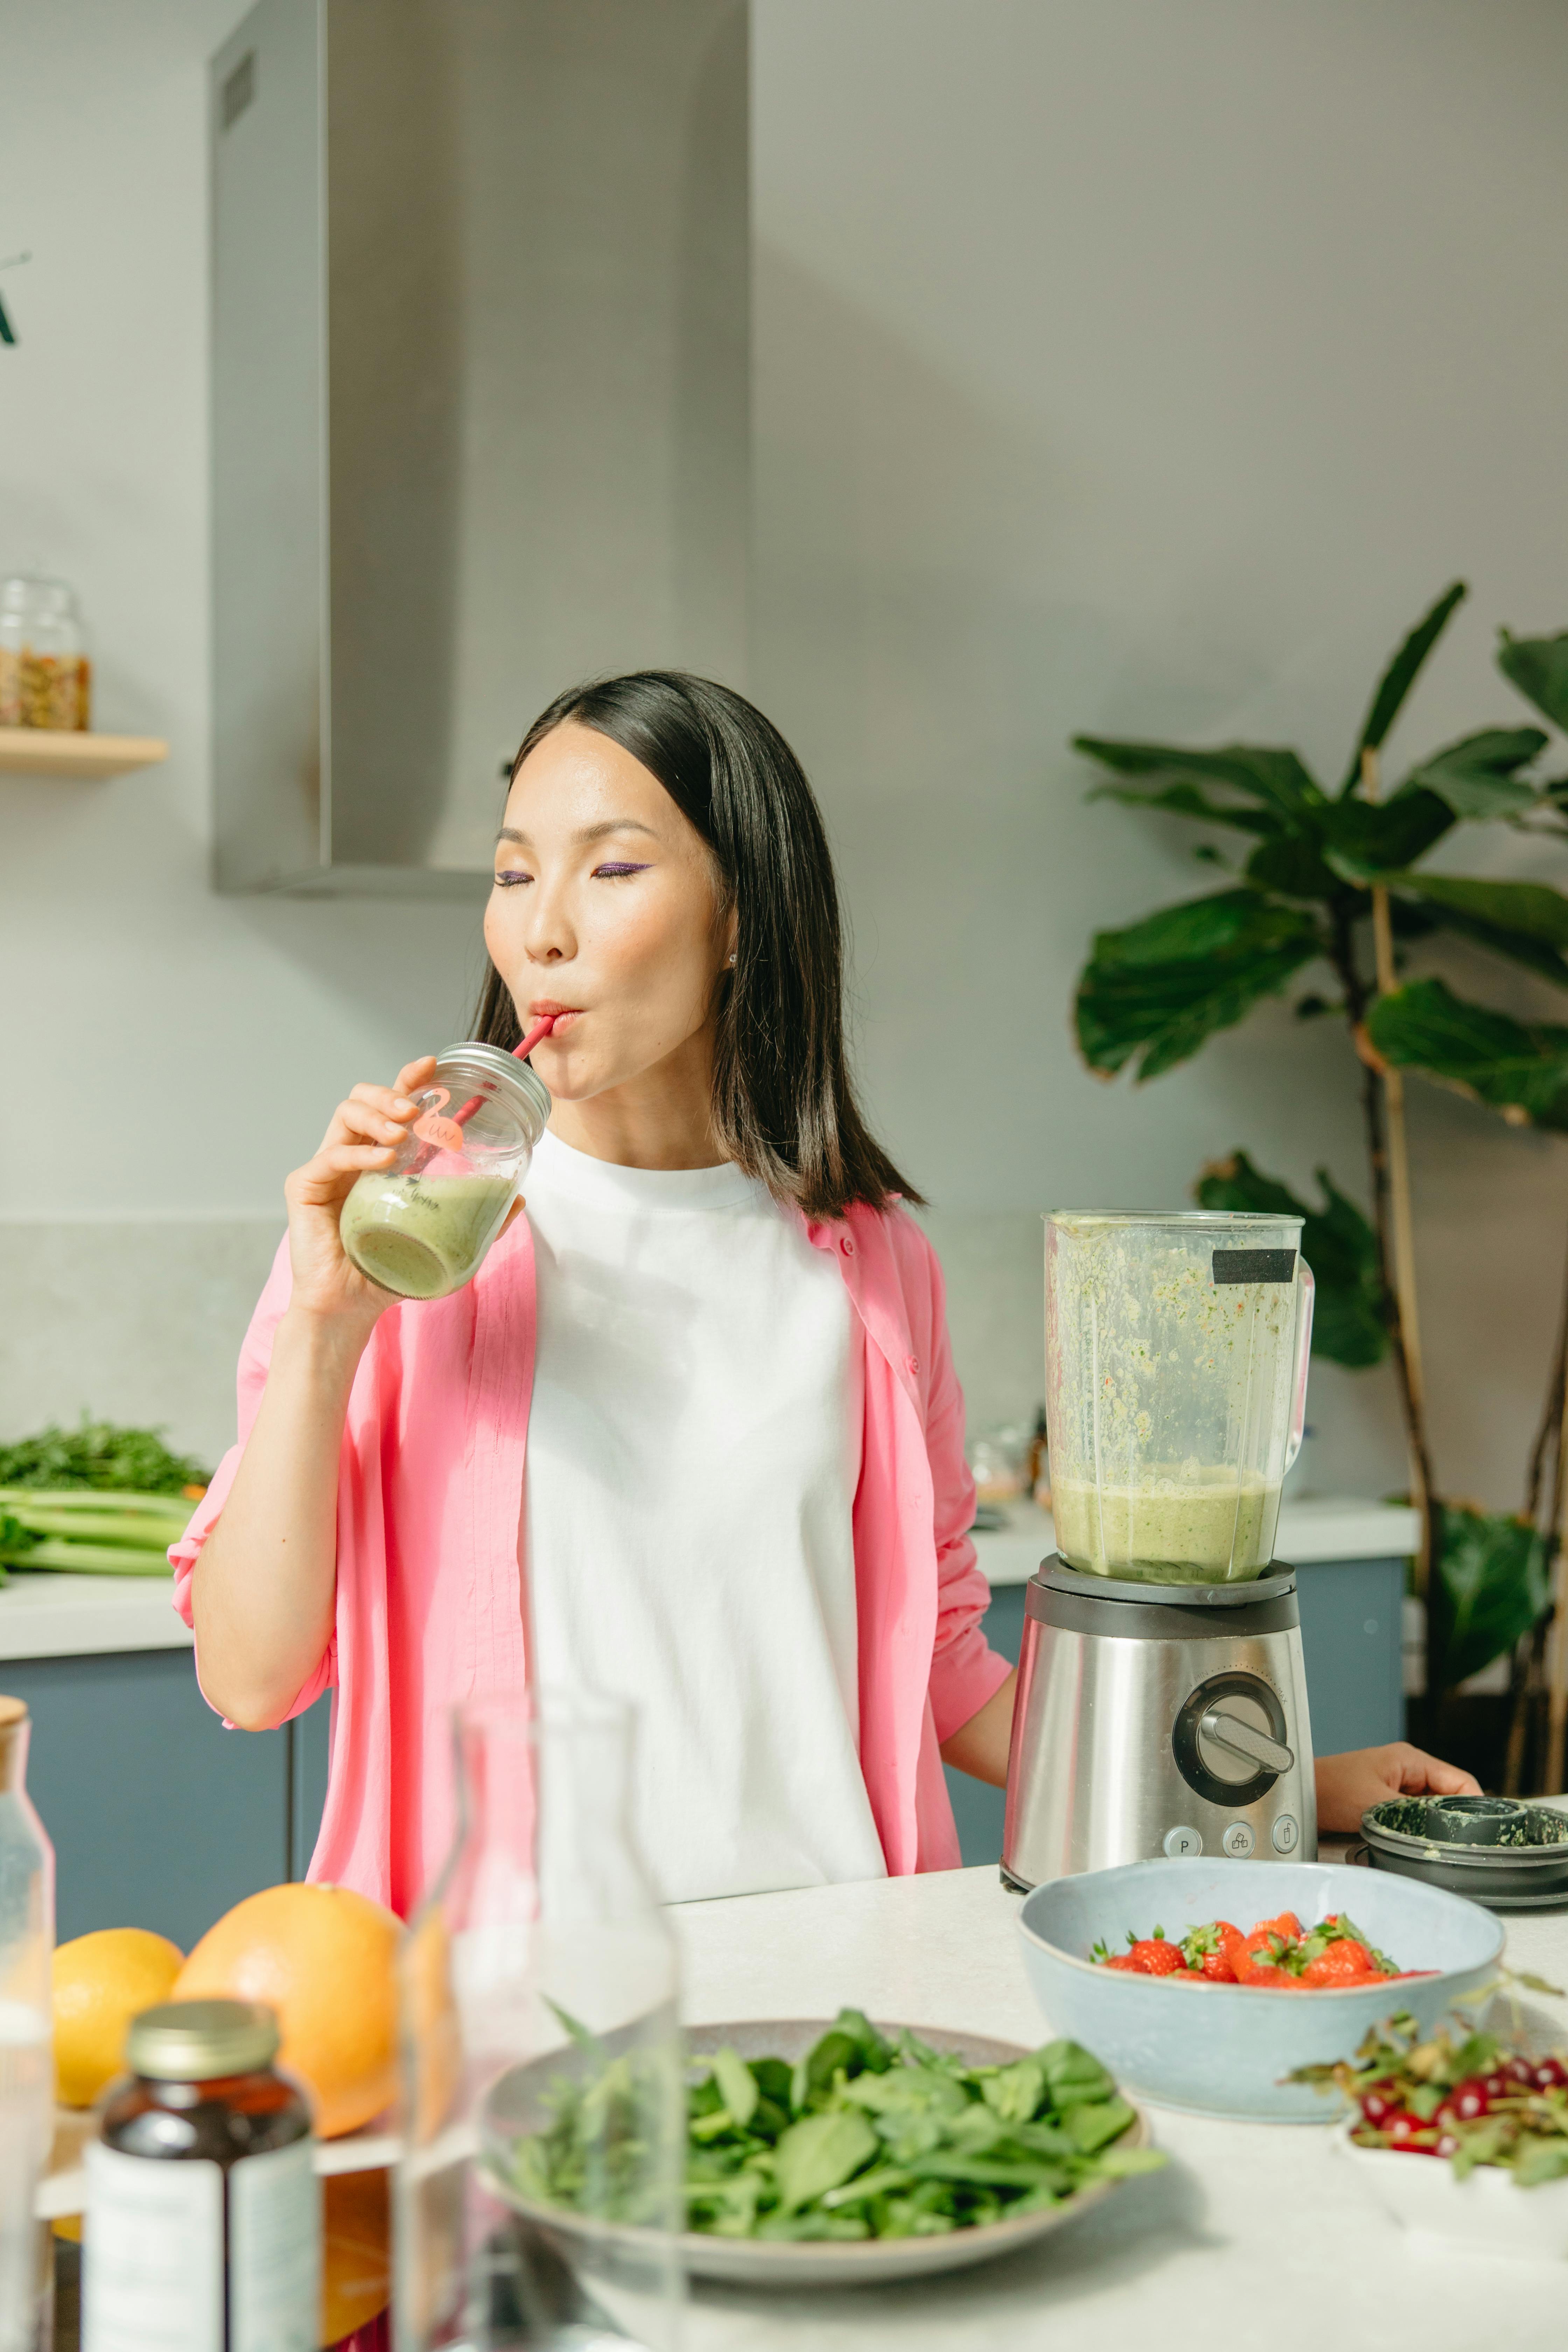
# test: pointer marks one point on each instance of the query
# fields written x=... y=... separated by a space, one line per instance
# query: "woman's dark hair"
x=783 y=1103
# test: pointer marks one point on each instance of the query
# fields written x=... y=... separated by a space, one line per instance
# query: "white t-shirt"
x=693 y=1451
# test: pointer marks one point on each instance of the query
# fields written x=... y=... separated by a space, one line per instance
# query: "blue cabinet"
x=161 y=1818
x=1350 y=1640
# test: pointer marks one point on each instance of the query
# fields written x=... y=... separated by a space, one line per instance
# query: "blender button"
x=1238 y=1839
x=1286 y=1833
x=1179 y=1841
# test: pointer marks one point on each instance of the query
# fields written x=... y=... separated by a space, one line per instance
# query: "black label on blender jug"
x=1255 y=1266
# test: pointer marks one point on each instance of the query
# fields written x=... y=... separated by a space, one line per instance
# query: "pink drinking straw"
x=520 y=1054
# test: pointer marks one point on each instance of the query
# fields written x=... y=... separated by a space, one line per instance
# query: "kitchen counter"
x=47 y=1614
x=1255 y=2233
x=1320 y=1527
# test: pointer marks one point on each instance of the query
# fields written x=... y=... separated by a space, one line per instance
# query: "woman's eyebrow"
x=585 y=833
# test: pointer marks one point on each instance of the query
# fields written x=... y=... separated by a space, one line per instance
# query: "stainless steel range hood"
x=480 y=405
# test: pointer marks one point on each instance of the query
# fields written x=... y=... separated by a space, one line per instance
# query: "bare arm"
x=265 y=1584
x=980 y=1746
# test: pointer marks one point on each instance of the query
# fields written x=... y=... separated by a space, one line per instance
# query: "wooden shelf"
x=41 y=751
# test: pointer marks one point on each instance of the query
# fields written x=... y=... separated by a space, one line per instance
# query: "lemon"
x=101 y=1982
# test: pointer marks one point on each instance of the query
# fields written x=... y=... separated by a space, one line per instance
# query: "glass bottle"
x=26 y=2065
x=203 y=2223
x=421 y=1226
x=541 y=2193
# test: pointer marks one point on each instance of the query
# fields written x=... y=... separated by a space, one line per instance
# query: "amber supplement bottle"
x=203 y=2217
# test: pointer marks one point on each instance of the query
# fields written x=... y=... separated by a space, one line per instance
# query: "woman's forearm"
x=980 y=1746
x=265 y=1582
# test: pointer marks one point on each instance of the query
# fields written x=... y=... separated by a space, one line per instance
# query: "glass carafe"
x=26 y=2057
x=1176 y=1351
x=542 y=2193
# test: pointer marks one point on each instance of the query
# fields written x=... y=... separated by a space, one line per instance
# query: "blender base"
x=1129 y=1698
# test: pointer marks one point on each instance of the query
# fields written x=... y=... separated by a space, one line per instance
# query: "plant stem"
x=1382 y=1119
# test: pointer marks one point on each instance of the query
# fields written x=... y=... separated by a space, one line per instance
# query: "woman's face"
x=605 y=912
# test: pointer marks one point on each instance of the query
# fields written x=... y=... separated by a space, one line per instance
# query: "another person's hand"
x=364 y=1133
x=1349 y=1784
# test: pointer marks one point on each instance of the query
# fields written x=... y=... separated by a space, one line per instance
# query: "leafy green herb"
x=864 y=2137
x=100 y=1454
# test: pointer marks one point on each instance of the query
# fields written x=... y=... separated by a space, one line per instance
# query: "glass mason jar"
x=1176 y=1352
x=420 y=1227
x=45 y=679
x=545 y=2105
x=27 y=2029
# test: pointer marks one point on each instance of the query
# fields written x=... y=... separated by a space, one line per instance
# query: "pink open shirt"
x=429 y=1593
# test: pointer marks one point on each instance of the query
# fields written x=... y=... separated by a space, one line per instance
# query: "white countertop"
x=1254 y=2233
x=1318 y=1527
x=48 y=1613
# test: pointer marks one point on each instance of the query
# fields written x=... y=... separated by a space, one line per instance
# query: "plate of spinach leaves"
x=822 y=2153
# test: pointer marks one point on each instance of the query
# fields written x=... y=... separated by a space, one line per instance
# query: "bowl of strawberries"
x=1205 y=1983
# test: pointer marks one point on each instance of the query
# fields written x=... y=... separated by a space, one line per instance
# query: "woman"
x=693 y=1429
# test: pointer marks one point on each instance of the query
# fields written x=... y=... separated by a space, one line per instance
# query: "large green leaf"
x=1161 y=987
x=1273 y=778
x=1539 y=667
x=1478 y=775
x=1399 y=677
x=1186 y=800
x=1520 y=1070
x=1526 y=921
x=1338 y=1244
x=1363 y=839
x=1291 y=864
x=1492 y=1587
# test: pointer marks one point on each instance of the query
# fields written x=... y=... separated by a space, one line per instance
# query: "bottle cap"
x=196 y=2040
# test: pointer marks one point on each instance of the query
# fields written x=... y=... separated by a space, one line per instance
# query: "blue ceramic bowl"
x=1224 y=2049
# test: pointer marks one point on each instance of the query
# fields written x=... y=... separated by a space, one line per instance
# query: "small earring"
x=731 y=958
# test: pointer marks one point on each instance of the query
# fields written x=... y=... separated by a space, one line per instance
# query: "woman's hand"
x=1349 y=1784
x=365 y=1132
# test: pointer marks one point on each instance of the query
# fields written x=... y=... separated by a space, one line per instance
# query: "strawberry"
x=1154 y=1955
x=1123 y=1960
x=1262 y=1958
x=1208 y=1953
x=1342 y=1962
x=1287 y=1927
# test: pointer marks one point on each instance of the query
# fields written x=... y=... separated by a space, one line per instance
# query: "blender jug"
x=1176 y=1352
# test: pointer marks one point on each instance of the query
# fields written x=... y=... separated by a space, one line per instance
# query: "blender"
x=1161 y=1704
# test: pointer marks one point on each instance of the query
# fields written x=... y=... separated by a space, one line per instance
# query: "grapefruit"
x=101 y=1982
x=324 y=1959
x=356 y=2253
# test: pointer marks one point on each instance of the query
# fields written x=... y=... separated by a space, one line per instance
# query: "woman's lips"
x=562 y=1016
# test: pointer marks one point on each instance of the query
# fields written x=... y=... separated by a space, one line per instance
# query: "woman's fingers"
x=327 y=1176
x=1419 y=1772
x=370 y=1123
x=415 y=1075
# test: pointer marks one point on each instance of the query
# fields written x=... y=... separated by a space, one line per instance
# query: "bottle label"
x=152 y=2254
x=152 y=2275
x=275 y=2252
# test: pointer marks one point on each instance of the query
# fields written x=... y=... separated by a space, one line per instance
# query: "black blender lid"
x=1496 y=1850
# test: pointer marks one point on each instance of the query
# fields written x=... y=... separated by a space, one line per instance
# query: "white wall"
x=183 y=1050
x=1120 y=366
x=1138 y=368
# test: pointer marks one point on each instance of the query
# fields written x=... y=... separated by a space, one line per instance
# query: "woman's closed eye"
x=614 y=869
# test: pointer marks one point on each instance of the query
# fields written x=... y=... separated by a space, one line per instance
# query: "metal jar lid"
x=196 y=2041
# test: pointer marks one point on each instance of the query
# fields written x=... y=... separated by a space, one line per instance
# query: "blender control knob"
x=1243 y=1738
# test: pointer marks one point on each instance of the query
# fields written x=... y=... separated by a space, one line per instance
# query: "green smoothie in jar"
x=421 y=1227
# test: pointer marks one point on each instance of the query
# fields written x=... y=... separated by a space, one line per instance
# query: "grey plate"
x=869 y=2262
